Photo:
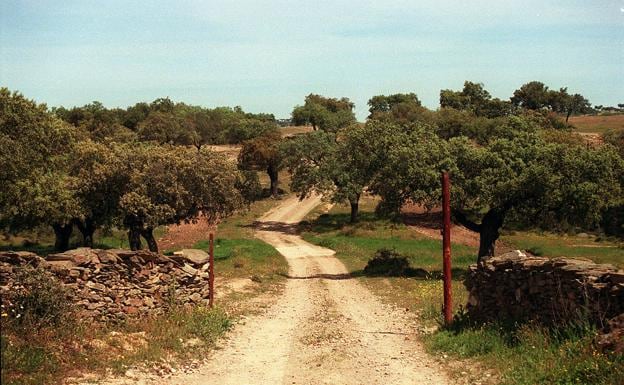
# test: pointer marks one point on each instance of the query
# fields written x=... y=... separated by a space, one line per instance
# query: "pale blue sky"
x=267 y=55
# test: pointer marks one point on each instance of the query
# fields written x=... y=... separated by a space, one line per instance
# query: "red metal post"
x=446 y=248
x=211 y=272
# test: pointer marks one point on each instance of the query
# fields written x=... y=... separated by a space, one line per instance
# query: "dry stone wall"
x=518 y=286
x=111 y=285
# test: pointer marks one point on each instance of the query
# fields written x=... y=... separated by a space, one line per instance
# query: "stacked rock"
x=110 y=285
x=521 y=287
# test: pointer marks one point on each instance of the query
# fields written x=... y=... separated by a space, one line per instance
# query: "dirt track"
x=325 y=329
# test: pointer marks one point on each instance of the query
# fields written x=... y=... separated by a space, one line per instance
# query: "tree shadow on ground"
x=326 y=223
x=458 y=274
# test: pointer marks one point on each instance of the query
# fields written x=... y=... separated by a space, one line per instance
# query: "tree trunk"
x=568 y=115
x=148 y=234
x=489 y=233
x=134 y=238
x=62 y=234
x=355 y=206
x=87 y=229
x=273 y=175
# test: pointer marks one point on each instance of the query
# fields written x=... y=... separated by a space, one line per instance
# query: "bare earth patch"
x=185 y=235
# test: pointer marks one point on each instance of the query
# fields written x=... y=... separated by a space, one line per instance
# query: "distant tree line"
x=165 y=122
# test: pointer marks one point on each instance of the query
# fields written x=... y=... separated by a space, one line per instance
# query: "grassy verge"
x=529 y=354
x=518 y=354
x=239 y=254
x=40 y=354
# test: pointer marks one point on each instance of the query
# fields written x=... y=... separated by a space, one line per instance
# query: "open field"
x=554 y=245
x=295 y=130
x=597 y=123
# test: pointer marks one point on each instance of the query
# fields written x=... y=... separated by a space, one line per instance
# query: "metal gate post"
x=446 y=249
x=211 y=272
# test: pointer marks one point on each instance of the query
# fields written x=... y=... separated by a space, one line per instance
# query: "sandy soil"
x=325 y=329
x=429 y=223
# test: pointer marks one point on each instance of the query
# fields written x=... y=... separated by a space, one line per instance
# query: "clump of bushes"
x=38 y=299
x=388 y=262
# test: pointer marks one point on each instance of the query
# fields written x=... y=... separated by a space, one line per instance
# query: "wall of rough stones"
x=111 y=285
x=518 y=286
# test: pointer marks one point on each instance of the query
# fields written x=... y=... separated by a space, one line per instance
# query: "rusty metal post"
x=446 y=248
x=211 y=272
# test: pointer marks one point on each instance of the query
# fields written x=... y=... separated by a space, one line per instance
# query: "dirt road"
x=325 y=329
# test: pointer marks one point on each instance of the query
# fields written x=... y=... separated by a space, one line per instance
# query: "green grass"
x=239 y=254
x=422 y=253
x=550 y=245
x=246 y=258
x=528 y=354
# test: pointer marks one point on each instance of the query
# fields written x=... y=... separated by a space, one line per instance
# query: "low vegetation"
x=529 y=354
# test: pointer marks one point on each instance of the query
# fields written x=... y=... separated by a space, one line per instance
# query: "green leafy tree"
x=173 y=185
x=533 y=96
x=100 y=177
x=163 y=128
x=337 y=166
x=564 y=103
x=98 y=122
x=327 y=114
x=409 y=160
x=576 y=104
x=476 y=99
x=263 y=152
x=386 y=103
x=200 y=128
x=34 y=153
x=541 y=182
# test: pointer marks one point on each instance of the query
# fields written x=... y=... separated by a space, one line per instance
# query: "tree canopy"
x=54 y=174
x=476 y=99
x=338 y=165
x=327 y=114
x=263 y=152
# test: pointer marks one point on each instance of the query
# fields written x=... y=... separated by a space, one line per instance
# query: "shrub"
x=39 y=299
x=388 y=262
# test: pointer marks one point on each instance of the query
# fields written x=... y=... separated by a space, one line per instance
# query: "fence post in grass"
x=446 y=248
x=211 y=272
